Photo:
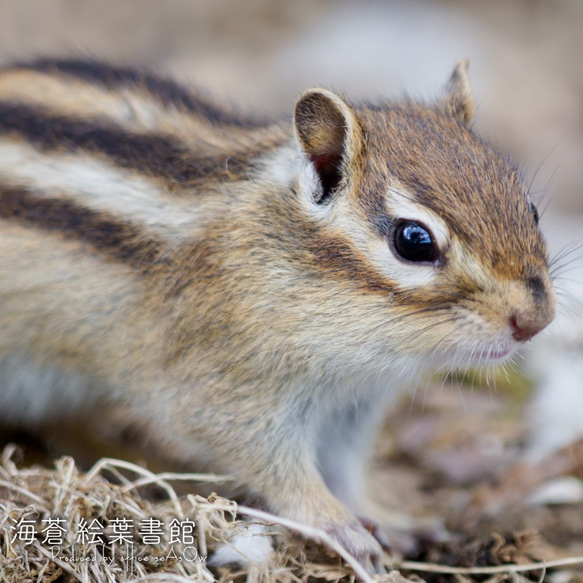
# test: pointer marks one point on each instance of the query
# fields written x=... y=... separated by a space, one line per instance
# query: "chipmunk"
x=254 y=291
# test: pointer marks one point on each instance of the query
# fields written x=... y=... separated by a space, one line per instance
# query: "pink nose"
x=523 y=331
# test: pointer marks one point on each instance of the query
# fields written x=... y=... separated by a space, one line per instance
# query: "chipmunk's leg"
x=344 y=451
x=344 y=448
x=294 y=488
x=271 y=450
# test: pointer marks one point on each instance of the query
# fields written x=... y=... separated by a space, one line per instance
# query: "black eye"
x=413 y=242
x=534 y=212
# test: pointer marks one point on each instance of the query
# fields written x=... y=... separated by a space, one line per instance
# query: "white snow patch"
x=564 y=490
x=251 y=545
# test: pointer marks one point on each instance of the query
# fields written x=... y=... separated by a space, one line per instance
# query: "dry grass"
x=39 y=494
x=115 y=489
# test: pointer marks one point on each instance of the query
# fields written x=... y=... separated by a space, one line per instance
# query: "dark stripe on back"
x=164 y=90
x=117 y=240
x=155 y=155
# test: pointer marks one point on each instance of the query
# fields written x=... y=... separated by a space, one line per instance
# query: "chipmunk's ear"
x=326 y=128
x=459 y=100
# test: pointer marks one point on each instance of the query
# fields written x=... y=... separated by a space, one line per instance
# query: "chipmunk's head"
x=430 y=228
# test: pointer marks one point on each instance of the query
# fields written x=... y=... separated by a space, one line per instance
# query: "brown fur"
x=236 y=281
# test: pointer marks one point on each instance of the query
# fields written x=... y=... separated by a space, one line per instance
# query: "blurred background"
x=527 y=77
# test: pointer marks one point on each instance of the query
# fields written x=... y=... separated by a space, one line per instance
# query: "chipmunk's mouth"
x=482 y=355
x=492 y=354
x=498 y=353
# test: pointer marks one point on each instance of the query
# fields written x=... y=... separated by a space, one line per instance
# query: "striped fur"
x=235 y=282
x=168 y=93
x=102 y=231
x=159 y=156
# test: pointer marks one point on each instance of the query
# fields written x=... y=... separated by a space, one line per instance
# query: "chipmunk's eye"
x=413 y=242
x=534 y=212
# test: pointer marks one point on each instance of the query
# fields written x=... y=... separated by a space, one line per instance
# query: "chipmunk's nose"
x=534 y=308
x=523 y=330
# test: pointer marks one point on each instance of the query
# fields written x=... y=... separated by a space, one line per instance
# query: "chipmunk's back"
x=105 y=173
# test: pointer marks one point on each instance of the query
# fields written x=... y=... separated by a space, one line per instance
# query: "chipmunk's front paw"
x=360 y=543
x=390 y=539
